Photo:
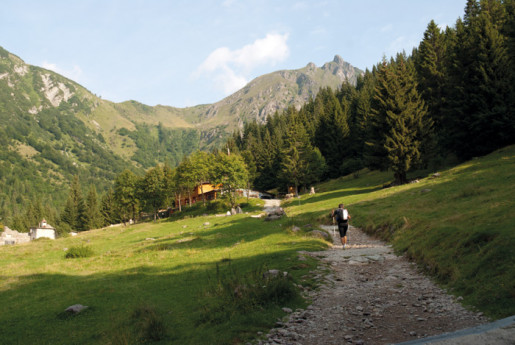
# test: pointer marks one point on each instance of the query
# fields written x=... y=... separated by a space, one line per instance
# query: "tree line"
x=450 y=100
x=131 y=194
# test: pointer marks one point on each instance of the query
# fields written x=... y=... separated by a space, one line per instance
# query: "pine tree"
x=429 y=62
x=93 y=218
x=74 y=213
x=295 y=154
x=377 y=128
x=480 y=113
x=332 y=132
x=108 y=209
x=403 y=116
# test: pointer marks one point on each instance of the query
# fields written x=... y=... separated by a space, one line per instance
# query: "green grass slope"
x=460 y=226
x=183 y=282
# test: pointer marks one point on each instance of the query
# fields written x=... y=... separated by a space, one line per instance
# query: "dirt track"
x=371 y=296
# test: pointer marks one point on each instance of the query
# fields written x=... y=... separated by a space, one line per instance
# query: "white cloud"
x=230 y=68
x=74 y=73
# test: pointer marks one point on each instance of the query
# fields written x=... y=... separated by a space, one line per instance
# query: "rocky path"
x=371 y=296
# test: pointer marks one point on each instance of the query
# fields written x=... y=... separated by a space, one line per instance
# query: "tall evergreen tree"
x=403 y=116
x=74 y=213
x=295 y=156
x=93 y=218
x=108 y=210
x=480 y=114
x=332 y=132
x=430 y=65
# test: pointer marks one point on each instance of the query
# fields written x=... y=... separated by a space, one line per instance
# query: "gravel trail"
x=370 y=296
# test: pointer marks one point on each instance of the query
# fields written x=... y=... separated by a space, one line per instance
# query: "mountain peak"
x=338 y=59
x=311 y=66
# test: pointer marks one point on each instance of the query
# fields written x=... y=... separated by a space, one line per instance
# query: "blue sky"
x=184 y=53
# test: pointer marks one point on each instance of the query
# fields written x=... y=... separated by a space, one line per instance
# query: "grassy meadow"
x=172 y=282
x=459 y=227
x=185 y=281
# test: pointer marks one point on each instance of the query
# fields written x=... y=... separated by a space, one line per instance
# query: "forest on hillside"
x=451 y=99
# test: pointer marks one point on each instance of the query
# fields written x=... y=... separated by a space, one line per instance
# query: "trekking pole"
x=334 y=228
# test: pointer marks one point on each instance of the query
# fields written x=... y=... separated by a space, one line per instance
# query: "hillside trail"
x=369 y=296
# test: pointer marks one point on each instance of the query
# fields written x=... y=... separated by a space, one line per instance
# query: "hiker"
x=342 y=217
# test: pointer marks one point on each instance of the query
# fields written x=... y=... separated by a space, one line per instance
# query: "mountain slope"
x=52 y=128
x=276 y=91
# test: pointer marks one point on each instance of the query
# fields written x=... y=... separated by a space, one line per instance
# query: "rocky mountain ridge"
x=276 y=91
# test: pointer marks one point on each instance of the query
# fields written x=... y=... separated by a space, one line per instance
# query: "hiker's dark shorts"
x=342 y=228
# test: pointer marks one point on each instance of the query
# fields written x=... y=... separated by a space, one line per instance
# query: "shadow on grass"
x=176 y=294
x=227 y=235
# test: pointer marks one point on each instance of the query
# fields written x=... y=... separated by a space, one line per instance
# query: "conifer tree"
x=295 y=156
x=108 y=209
x=74 y=213
x=332 y=132
x=377 y=128
x=429 y=62
x=480 y=113
x=401 y=114
x=93 y=218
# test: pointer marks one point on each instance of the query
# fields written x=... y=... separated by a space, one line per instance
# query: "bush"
x=218 y=206
x=79 y=252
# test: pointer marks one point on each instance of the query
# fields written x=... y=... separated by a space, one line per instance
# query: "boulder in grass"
x=75 y=309
x=272 y=217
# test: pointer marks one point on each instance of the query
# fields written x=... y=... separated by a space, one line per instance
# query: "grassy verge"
x=460 y=226
x=191 y=281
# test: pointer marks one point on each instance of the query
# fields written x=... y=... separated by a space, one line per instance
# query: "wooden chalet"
x=211 y=192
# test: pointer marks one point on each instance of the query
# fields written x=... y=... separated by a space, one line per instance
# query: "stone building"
x=13 y=237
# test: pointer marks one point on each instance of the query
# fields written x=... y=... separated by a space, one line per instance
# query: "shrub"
x=79 y=252
x=218 y=206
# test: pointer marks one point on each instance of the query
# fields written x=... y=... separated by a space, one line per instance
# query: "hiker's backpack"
x=342 y=216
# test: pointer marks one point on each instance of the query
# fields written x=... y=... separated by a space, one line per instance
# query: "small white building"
x=44 y=230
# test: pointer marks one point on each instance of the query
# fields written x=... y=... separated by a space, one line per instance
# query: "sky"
x=184 y=53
